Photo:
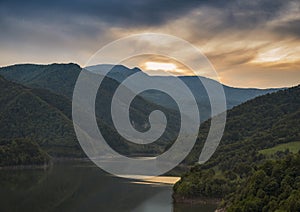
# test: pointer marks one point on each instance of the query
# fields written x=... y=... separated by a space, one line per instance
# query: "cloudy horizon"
x=250 y=44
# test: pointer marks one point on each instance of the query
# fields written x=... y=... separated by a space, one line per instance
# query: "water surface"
x=80 y=186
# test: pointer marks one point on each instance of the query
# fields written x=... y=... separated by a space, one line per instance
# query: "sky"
x=250 y=43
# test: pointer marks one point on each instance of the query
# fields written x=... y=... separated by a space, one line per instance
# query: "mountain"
x=30 y=114
x=234 y=96
x=118 y=72
x=61 y=78
x=54 y=84
x=35 y=123
x=58 y=78
x=253 y=130
x=48 y=112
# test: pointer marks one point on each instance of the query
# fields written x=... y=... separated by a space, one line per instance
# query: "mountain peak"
x=110 y=67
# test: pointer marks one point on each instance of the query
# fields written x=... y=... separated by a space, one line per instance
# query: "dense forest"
x=254 y=131
x=25 y=114
x=273 y=186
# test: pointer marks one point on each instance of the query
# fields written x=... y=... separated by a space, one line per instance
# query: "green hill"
x=255 y=125
x=58 y=78
x=24 y=114
x=252 y=127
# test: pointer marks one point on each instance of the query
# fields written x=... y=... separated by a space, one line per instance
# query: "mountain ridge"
x=61 y=79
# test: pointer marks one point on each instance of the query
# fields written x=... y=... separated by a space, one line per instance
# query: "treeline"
x=21 y=152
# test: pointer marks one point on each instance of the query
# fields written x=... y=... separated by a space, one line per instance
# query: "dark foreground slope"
x=29 y=114
x=258 y=124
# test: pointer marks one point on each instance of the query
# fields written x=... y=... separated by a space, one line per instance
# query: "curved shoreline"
x=24 y=167
x=163 y=180
x=41 y=166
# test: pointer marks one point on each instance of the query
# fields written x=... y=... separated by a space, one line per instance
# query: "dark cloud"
x=134 y=12
x=232 y=32
x=291 y=28
x=88 y=17
x=139 y=12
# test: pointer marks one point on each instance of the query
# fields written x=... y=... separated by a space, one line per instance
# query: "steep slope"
x=23 y=114
x=255 y=125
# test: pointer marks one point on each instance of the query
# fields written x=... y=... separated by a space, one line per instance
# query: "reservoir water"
x=81 y=186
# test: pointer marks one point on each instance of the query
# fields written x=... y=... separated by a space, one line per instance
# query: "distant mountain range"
x=61 y=78
x=36 y=104
x=234 y=96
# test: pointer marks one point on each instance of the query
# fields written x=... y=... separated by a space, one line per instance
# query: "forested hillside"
x=254 y=125
x=30 y=114
x=273 y=186
x=45 y=118
x=259 y=124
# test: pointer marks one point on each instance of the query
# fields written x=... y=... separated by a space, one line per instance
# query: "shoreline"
x=41 y=166
x=166 y=180
x=195 y=201
x=25 y=167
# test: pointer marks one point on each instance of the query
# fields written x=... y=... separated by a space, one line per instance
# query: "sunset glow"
x=273 y=55
x=155 y=66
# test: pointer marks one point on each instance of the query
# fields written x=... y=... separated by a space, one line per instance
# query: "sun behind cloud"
x=158 y=65
x=154 y=66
